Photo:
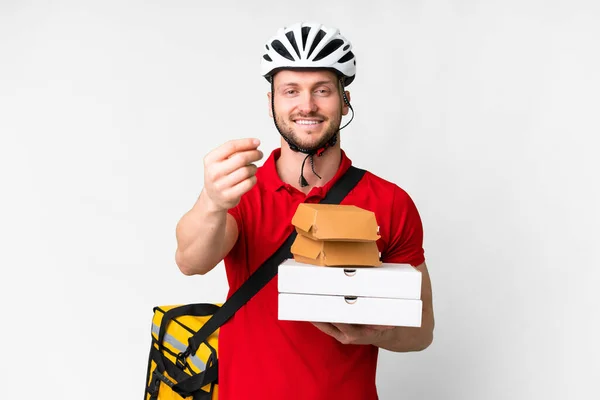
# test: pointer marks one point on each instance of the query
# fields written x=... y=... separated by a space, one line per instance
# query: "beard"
x=331 y=129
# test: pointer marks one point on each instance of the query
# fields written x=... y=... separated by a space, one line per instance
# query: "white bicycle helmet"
x=309 y=45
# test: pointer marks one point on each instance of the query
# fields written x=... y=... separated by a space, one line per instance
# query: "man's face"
x=308 y=106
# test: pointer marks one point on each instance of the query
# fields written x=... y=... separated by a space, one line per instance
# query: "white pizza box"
x=397 y=281
x=349 y=310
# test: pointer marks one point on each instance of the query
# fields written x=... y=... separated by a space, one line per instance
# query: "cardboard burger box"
x=335 y=222
x=335 y=235
x=331 y=277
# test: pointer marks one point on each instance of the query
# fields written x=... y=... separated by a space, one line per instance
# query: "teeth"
x=305 y=122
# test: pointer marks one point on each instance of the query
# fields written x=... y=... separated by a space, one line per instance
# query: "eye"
x=322 y=91
x=290 y=92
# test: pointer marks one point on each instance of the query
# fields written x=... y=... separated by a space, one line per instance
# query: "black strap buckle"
x=180 y=360
x=154 y=385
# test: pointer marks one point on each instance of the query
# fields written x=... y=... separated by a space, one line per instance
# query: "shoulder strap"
x=268 y=270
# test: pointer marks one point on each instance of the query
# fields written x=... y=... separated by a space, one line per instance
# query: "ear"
x=345 y=107
x=269 y=105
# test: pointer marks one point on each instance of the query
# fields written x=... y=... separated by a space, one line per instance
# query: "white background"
x=485 y=112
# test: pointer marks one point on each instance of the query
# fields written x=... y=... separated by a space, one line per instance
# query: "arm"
x=403 y=338
x=207 y=232
x=205 y=235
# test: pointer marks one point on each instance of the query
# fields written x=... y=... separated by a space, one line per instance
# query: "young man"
x=244 y=214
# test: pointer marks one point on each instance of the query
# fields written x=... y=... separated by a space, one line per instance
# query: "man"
x=244 y=214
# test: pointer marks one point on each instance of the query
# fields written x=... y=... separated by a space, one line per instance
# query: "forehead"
x=286 y=76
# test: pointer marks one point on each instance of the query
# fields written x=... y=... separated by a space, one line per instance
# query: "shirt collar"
x=271 y=180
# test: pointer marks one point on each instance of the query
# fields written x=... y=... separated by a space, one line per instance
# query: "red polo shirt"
x=263 y=358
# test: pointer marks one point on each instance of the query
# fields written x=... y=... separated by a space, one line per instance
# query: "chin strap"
x=303 y=181
x=310 y=153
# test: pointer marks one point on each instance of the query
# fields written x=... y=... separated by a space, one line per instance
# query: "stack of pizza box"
x=336 y=274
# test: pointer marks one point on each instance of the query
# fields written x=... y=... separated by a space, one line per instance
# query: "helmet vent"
x=349 y=56
x=305 y=31
x=320 y=35
x=266 y=57
x=281 y=50
x=329 y=48
x=292 y=38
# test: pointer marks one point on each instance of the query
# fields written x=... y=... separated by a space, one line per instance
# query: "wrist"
x=208 y=206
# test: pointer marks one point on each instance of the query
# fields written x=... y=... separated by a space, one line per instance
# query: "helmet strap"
x=346 y=101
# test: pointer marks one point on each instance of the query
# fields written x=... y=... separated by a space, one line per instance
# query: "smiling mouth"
x=307 y=122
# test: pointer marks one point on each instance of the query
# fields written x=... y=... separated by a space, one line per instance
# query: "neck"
x=288 y=166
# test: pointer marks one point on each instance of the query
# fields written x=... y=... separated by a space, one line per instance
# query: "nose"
x=307 y=104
